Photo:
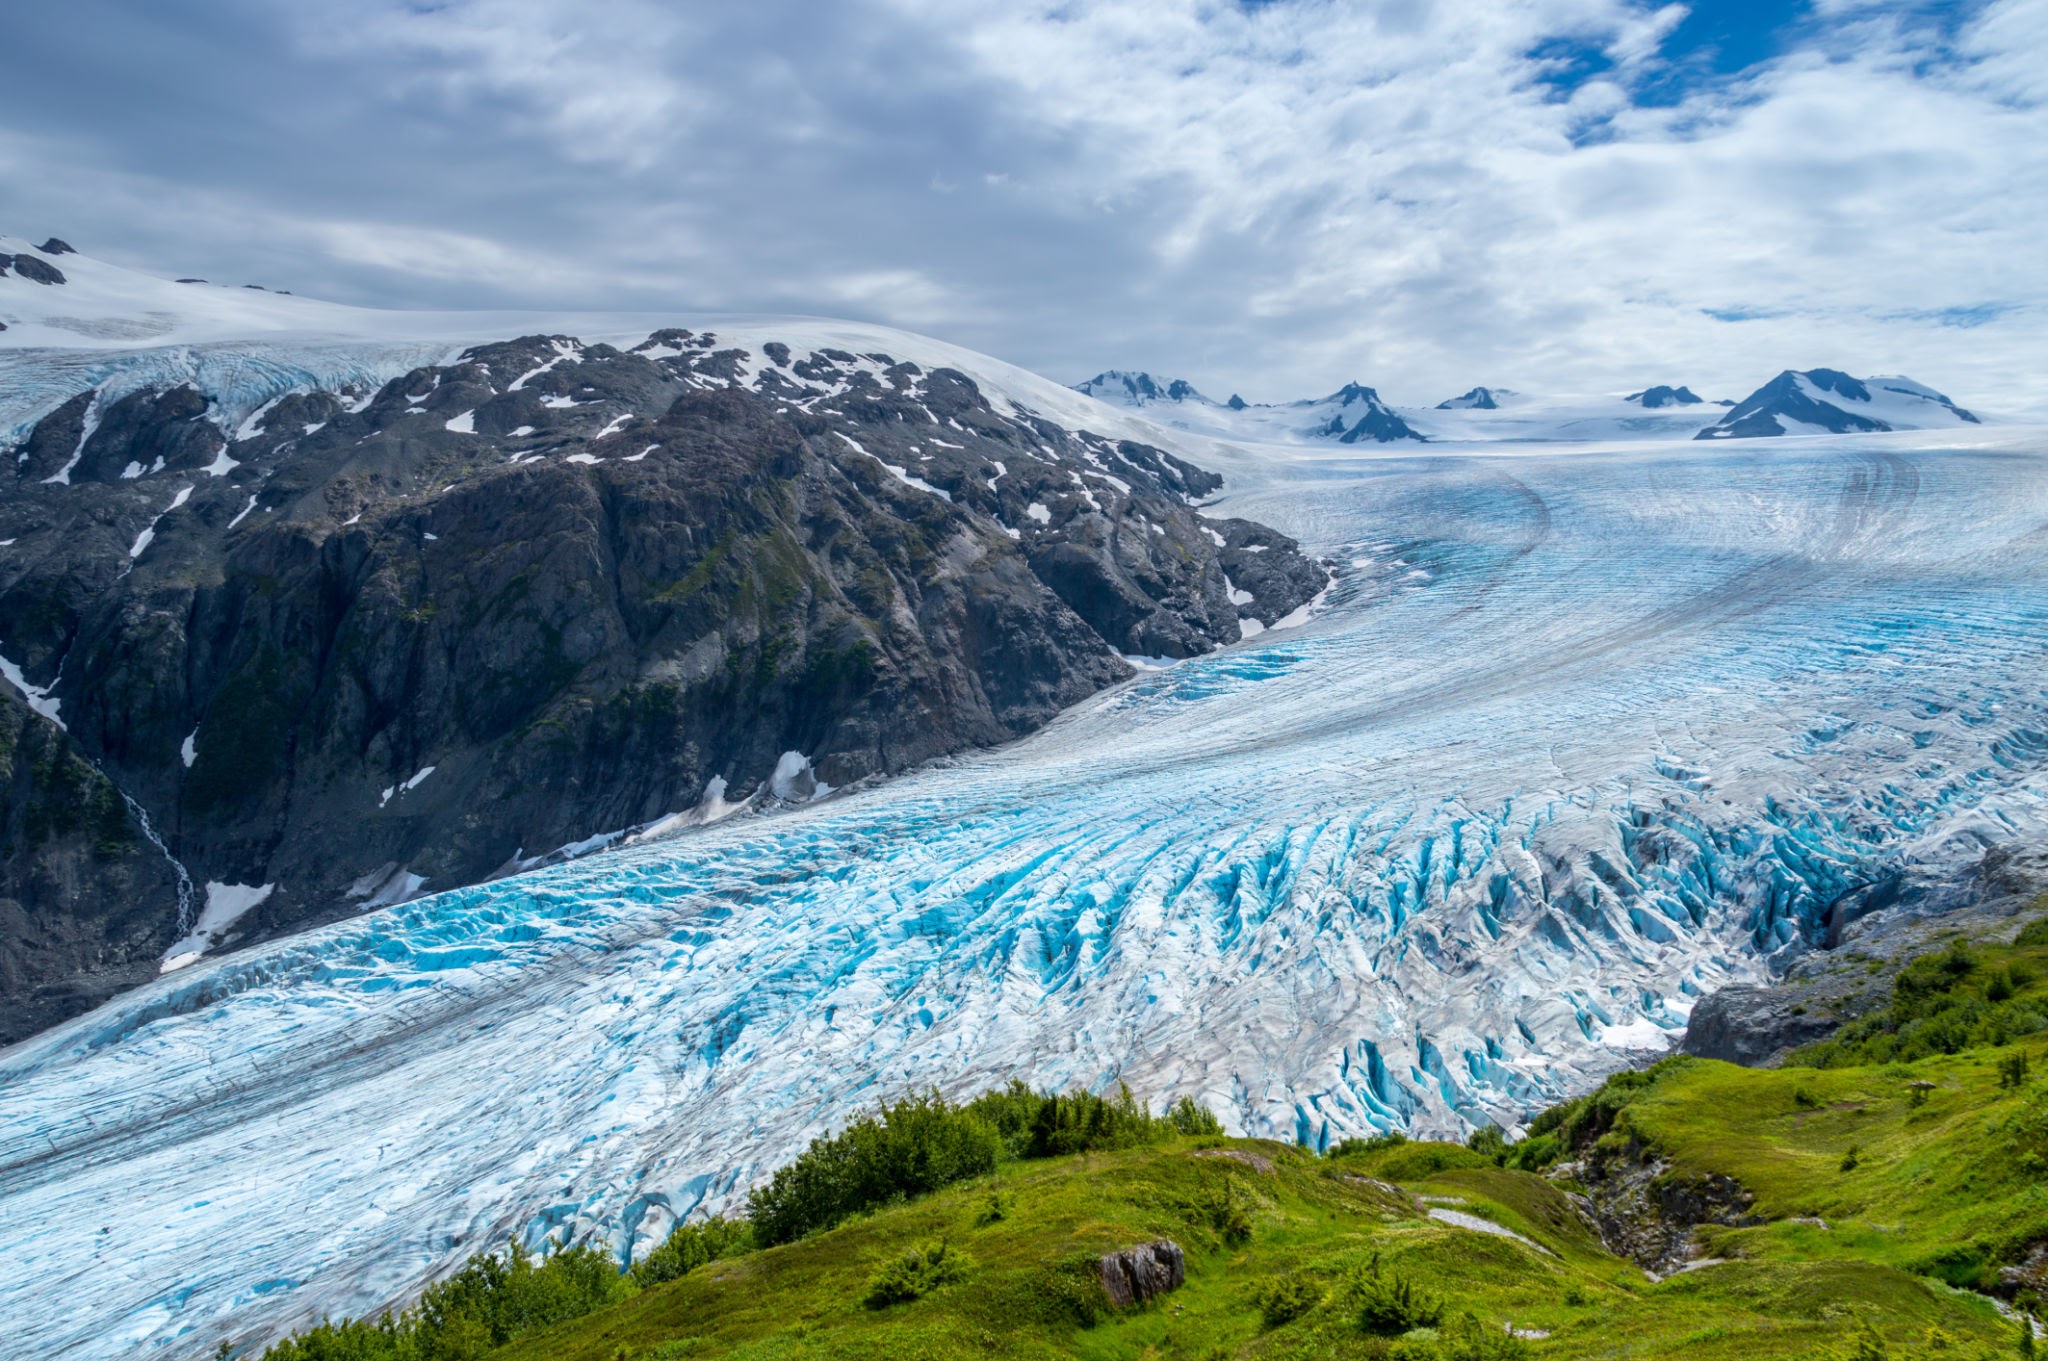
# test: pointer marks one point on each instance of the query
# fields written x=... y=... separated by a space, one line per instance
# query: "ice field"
x=1578 y=736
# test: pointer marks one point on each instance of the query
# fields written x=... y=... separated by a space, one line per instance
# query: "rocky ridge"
x=360 y=644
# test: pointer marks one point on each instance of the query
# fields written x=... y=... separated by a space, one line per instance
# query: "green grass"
x=1312 y=1218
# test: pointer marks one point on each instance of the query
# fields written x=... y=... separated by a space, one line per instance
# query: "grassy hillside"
x=1886 y=1197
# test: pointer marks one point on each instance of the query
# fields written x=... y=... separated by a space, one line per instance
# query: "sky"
x=1269 y=197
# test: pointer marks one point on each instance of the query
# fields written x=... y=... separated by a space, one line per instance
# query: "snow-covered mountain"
x=1664 y=395
x=1809 y=402
x=1828 y=401
x=1353 y=414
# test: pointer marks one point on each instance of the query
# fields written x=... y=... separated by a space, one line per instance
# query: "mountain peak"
x=1138 y=388
x=1664 y=395
x=1829 y=401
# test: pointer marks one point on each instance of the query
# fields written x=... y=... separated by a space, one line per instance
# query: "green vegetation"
x=1883 y=1204
x=1965 y=997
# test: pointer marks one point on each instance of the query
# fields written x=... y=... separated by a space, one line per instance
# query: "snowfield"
x=1577 y=736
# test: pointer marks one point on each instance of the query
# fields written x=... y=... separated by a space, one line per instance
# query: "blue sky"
x=1269 y=198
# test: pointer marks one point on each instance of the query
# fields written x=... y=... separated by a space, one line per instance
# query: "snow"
x=188 y=750
x=465 y=424
x=225 y=905
x=148 y=534
x=37 y=697
x=221 y=466
x=522 y=432
x=1037 y=511
x=582 y=458
x=902 y=475
x=616 y=424
x=242 y=514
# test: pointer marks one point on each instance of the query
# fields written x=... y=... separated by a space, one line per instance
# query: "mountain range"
x=1813 y=401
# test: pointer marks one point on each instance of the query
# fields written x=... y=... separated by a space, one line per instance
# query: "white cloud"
x=1269 y=200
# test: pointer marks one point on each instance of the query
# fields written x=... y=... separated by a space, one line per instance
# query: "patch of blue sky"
x=1723 y=41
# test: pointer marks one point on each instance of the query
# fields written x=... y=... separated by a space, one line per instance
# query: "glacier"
x=1576 y=737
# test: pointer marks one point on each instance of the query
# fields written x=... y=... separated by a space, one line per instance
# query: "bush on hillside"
x=915 y=1274
x=909 y=1148
x=493 y=1300
x=690 y=1246
x=1282 y=1299
x=1391 y=1304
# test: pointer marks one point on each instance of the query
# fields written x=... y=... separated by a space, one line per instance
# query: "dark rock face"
x=1478 y=399
x=87 y=905
x=1661 y=395
x=53 y=246
x=360 y=645
x=38 y=271
x=1753 y=1026
x=1142 y=1273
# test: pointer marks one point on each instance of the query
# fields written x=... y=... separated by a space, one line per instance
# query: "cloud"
x=1273 y=198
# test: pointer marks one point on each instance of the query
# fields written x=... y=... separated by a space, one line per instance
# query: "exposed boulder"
x=1143 y=1273
x=54 y=246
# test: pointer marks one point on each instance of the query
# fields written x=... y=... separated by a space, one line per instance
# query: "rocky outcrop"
x=1644 y=1213
x=358 y=645
x=1754 y=1026
x=1143 y=1273
x=34 y=270
x=1871 y=933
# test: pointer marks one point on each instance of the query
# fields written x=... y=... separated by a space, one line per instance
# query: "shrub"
x=1282 y=1299
x=2012 y=1070
x=1189 y=1118
x=1081 y=1120
x=1489 y=1142
x=1225 y=1208
x=1350 y=1148
x=1852 y=1158
x=490 y=1302
x=1392 y=1304
x=690 y=1246
x=995 y=1209
x=915 y=1274
x=911 y=1147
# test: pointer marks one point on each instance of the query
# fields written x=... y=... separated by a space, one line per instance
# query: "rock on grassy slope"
x=364 y=642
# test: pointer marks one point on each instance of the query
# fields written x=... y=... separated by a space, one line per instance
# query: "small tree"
x=2012 y=1069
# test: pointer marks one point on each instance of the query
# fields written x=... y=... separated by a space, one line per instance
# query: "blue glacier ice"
x=1577 y=736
